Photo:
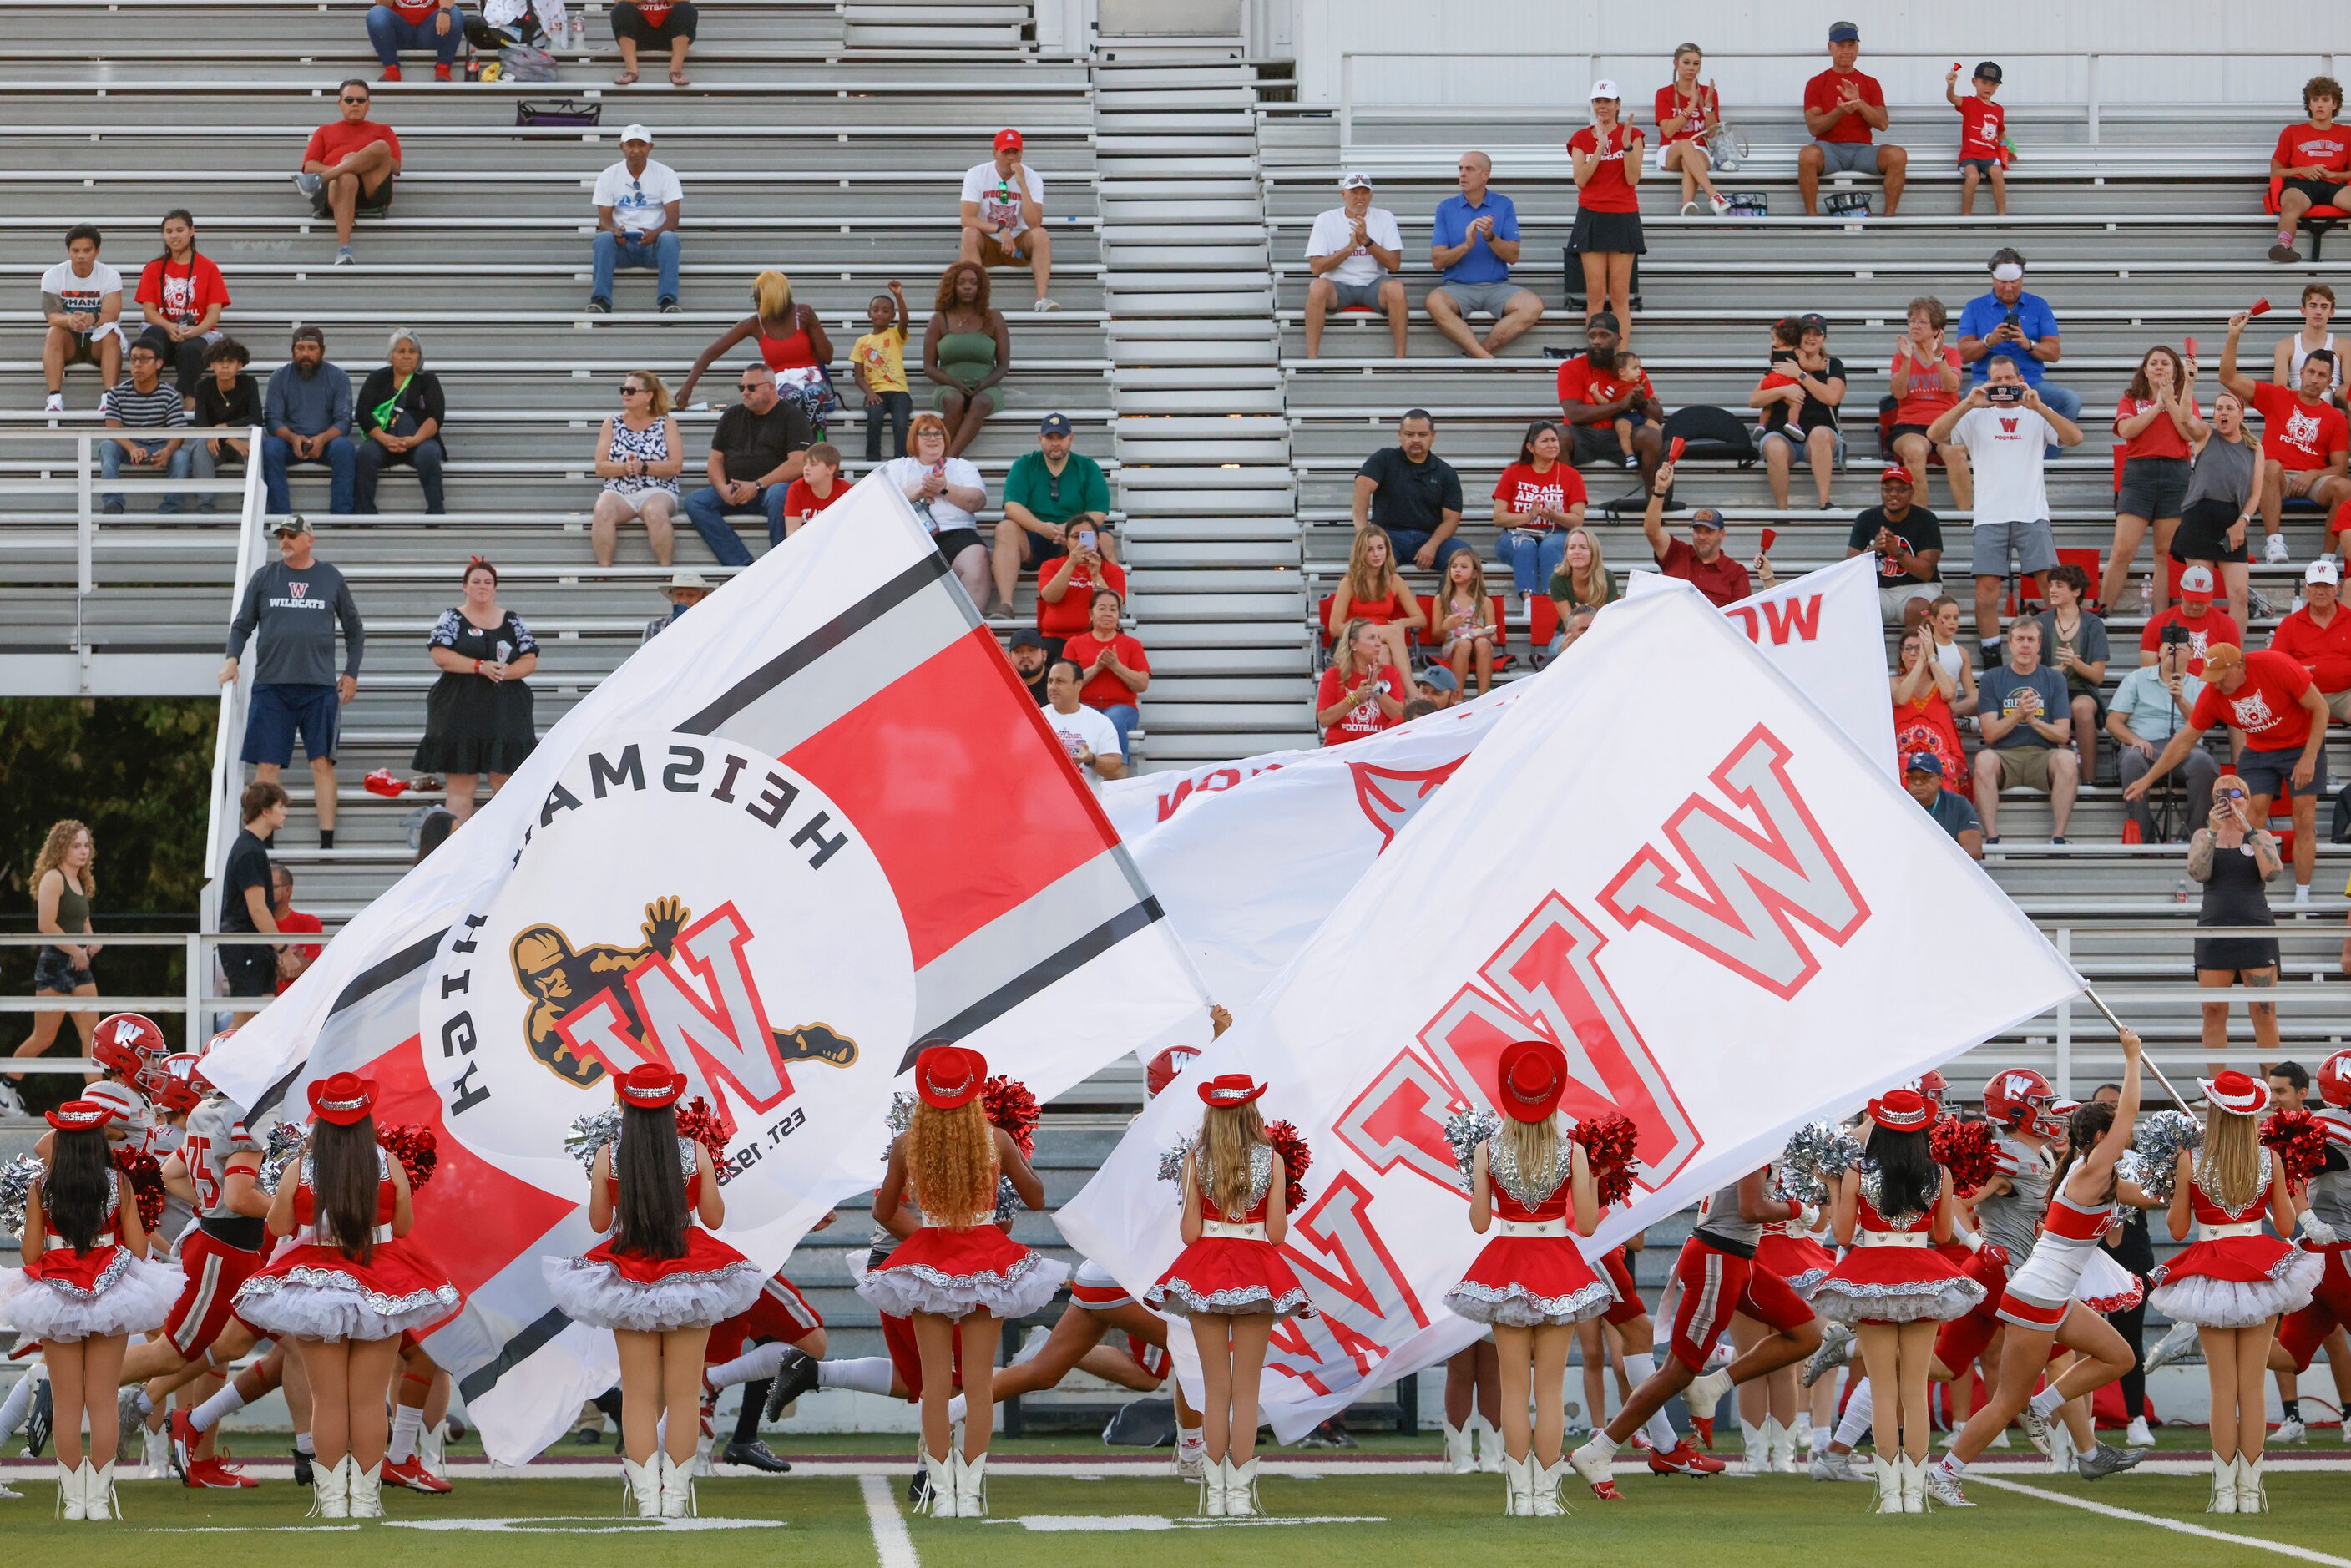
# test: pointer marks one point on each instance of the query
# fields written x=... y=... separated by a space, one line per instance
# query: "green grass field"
x=1084 y=1515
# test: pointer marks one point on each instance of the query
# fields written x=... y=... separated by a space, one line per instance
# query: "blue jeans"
x=612 y=252
x=342 y=464
x=110 y=458
x=709 y=510
x=1123 y=719
x=1407 y=542
x=1531 y=558
x=389 y=35
x=370 y=460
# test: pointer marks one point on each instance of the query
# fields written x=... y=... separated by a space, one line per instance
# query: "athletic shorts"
x=1715 y=1285
x=898 y=1339
x=1589 y=444
x=1618 y=1266
x=1469 y=298
x=214 y=1271
x=1093 y=1288
x=1847 y=157
x=1357 y=296
x=2321 y=192
x=2031 y=543
x=1151 y=1358
x=781 y=1313
x=1963 y=1338
x=279 y=713
x=2271 y=773
x=2301 y=1331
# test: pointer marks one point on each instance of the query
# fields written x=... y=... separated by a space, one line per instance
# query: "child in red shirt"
x=818 y=488
x=1983 y=135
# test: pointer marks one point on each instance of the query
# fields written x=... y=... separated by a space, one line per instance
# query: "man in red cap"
x=1908 y=541
x=1004 y=216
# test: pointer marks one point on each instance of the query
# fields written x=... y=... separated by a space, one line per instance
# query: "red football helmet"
x=213 y=1044
x=178 y=1084
x=2334 y=1081
x=2021 y=1101
x=1934 y=1086
x=1163 y=1069
x=124 y=1042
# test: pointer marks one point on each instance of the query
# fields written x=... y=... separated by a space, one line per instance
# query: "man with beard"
x=1031 y=658
x=1593 y=399
x=307 y=414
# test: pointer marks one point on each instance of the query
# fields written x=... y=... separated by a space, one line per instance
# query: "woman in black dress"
x=477 y=717
x=2233 y=859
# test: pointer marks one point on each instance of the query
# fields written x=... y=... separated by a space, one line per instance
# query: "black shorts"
x=2321 y=194
x=632 y=23
x=371 y=204
x=1899 y=431
x=952 y=542
x=2152 y=486
x=53 y=971
x=251 y=971
x=1613 y=234
x=1593 y=443
x=2203 y=533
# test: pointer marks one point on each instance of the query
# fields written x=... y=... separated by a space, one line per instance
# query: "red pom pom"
x=1009 y=1106
x=146 y=1175
x=1965 y=1149
x=1609 y=1145
x=697 y=1121
x=2298 y=1141
x=417 y=1149
x=1295 y=1157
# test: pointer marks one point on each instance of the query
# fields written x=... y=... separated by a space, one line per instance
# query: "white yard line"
x=2304 y=1553
x=891 y=1543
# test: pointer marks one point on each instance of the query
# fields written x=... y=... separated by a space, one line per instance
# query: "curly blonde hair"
x=1227 y=1134
x=951 y=1164
x=52 y=857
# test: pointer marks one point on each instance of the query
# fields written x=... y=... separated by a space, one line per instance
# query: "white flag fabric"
x=813 y=822
x=1667 y=860
x=1248 y=858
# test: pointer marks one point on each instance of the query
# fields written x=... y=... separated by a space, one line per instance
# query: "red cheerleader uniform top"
x=2067 y=1220
x=1881 y=1230
x=2213 y=1220
x=306 y=1203
x=685 y=1157
x=62 y=1265
x=1524 y=1198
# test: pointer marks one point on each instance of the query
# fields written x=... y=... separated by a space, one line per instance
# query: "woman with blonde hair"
x=955 y=1272
x=639 y=455
x=62 y=880
x=1583 y=581
x=792 y=343
x=1375 y=591
x=1363 y=691
x=2232 y=1281
x=947 y=493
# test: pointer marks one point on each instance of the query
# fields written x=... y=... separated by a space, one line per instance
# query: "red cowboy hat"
x=2239 y=1092
x=343 y=1099
x=1162 y=1069
x=648 y=1086
x=1228 y=1091
x=1902 y=1110
x=948 y=1076
x=1530 y=1079
x=80 y=1116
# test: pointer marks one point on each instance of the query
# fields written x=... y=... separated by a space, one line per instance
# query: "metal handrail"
x=227 y=774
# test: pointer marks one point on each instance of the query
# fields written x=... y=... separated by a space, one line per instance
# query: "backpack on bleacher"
x=1845 y=204
x=516 y=47
x=1747 y=204
x=1714 y=433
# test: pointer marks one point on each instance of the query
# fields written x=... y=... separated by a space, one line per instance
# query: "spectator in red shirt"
x=420 y=25
x=1983 y=128
x=2314 y=160
x=349 y=167
x=1373 y=589
x=293 y=957
x=1362 y=692
x=2158 y=423
x=1115 y=670
x=1066 y=589
x=182 y=295
x=1688 y=117
x=2318 y=637
x=1536 y=501
x=2271 y=701
x=655 y=24
x=1926 y=381
x=2305 y=441
x=818 y=488
x=2206 y=627
x=1606 y=156
x=1698 y=561
x=1593 y=398
x=1844 y=110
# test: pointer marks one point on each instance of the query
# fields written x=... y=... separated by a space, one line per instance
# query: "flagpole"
x=2145 y=1061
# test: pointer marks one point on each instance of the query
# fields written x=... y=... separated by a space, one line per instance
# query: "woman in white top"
x=2286 y=360
x=947 y=494
x=639 y=455
x=1943 y=620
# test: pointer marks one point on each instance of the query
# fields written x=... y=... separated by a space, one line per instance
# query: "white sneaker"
x=2274 y=552
x=308 y=183
x=1691 y=209
x=2173 y=1345
x=2037 y=1427
x=2302 y=895
x=2289 y=1431
x=11 y=1102
x=1944 y=1488
x=343 y=256
x=1721 y=205
x=56 y=404
x=1830 y=1466
x=2138 y=1436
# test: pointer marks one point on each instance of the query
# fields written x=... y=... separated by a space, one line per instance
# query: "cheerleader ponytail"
x=2232 y=1154
x=1534 y=1145
x=1227 y=1134
x=650 y=1217
x=73 y=1194
x=343 y=1177
x=2084 y=1128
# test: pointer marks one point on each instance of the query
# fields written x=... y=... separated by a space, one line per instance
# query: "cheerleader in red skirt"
x=1230 y=1283
x=1531 y=1284
x=957 y=1268
x=2235 y=1280
x=1893 y=1286
x=346 y=1290
x=1767 y=1405
x=657 y=1281
x=87 y=1285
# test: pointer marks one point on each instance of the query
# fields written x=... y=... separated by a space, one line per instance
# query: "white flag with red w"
x=1664 y=859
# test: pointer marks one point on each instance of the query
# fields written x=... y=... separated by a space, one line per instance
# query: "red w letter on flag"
x=1754 y=888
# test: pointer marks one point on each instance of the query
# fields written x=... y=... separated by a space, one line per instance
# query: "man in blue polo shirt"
x=2012 y=324
x=1474 y=242
x=1922 y=775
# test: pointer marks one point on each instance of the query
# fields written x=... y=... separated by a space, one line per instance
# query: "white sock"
x=207 y=1416
x=302 y=1444
x=1957 y=1466
x=1601 y=1441
x=958 y=1407
x=864 y=1374
x=1191 y=1439
x=1639 y=1366
x=14 y=1409
x=146 y=1405
x=748 y=1367
x=407 y=1420
x=1854 y=1424
x=2045 y=1403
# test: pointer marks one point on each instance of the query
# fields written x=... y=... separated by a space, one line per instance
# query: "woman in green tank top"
x=62 y=884
x=966 y=351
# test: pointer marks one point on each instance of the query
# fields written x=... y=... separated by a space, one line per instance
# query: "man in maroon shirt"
x=1697 y=560
x=1843 y=111
x=2318 y=637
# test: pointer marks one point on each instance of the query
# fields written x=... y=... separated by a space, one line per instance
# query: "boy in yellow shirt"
x=879 y=359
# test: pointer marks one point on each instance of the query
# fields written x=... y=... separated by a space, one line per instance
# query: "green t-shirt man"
x=1079 y=486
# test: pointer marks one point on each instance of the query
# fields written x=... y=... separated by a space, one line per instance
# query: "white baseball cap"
x=1354 y=179
x=2322 y=570
x=2008 y=272
x=636 y=133
x=2196 y=580
x=1603 y=88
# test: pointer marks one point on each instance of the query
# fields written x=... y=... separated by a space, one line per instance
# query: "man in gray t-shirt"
x=294 y=605
x=2027 y=723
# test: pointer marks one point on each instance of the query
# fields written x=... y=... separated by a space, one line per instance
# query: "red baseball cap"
x=1894 y=474
x=344 y=1098
x=946 y=1076
x=1007 y=141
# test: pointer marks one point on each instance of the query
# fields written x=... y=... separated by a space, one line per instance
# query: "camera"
x=2004 y=391
x=2175 y=636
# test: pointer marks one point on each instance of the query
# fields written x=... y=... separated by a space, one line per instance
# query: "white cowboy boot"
x=1914 y=1486
x=1212 y=1489
x=2224 y=1486
x=1784 y=1451
x=69 y=1493
x=1241 y=1491
x=1548 y=1480
x=432 y=1446
x=1890 y=1473
x=644 y=1485
x=676 y=1488
x=940 y=1497
x=330 y=1487
x=1518 y=1486
x=2252 y=1497
x=1457 y=1453
x=1754 y=1449
x=971 y=1487
x=1488 y=1443
x=367 y=1489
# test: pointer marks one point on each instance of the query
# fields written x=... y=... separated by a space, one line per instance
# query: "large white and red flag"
x=1665 y=859
x=1249 y=857
x=815 y=821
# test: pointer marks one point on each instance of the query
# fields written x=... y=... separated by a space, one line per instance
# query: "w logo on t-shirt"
x=2007 y=427
x=298 y=590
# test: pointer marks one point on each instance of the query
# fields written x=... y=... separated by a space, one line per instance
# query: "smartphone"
x=2004 y=393
x=1086 y=539
x=1674 y=451
x=1770 y=536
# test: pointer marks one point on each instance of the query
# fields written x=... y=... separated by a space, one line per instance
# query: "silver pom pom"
x=2157 y=1147
x=591 y=1132
x=280 y=1147
x=1464 y=1131
x=1171 y=1163
x=16 y=1179
x=1008 y=1201
x=901 y=1117
x=1817 y=1155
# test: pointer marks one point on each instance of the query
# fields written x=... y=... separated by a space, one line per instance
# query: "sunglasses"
x=361 y=99
x=627 y=390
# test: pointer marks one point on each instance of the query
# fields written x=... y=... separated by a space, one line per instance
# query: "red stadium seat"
x=2084 y=556
x=2317 y=220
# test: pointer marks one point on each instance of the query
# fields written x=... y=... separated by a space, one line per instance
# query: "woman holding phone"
x=2233 y=860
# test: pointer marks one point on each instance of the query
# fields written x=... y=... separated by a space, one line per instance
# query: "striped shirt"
x=144 y=411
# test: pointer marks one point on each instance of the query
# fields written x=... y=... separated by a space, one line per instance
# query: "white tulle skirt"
x=2221 y=1304
x=333 y=1304
x=134 y=1296
x=954 y=1273
x=590 y=1291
